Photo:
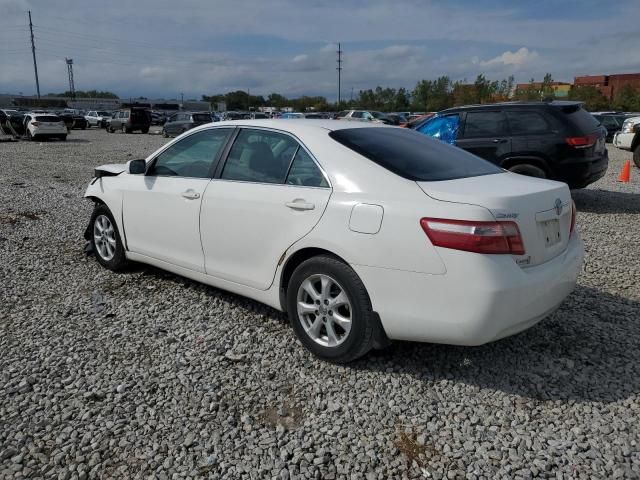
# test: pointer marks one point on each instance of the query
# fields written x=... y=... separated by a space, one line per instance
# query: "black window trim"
x=218 y=173
x=216 y=160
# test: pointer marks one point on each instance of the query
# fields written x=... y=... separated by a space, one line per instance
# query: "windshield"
x=201 y=117
x=413 y=155
x=103 y=114
x=378 y=114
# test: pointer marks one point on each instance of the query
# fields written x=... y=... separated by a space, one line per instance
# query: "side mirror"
x=137 y=167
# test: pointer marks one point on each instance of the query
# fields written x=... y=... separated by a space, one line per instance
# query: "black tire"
x=145 y=130
x=359 y=340
x=118 y=261
x=30 y=137
x=164 y=133
x=125 y=129
x=63 y=138
x=636 y=156
x=528 y=170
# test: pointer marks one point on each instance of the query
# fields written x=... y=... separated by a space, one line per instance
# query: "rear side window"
x=305 y=172
x=260 y=156
x=527 y=122
x=413 y=155
x=579 y=117
x=485 y=124
x=201 y=117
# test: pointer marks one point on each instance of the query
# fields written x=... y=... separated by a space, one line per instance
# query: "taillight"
x=582 y=142
x=574 y=214
x=472 y=236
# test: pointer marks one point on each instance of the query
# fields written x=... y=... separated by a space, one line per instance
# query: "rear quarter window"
x=413 y=155
x=580 y=118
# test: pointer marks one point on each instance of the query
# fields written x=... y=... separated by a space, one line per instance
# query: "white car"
x=363 y=116
x=96 y=118
x=624 y=138
x=361 y=232
x=40 y=126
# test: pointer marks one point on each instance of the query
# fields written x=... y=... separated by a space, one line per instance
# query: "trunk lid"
x=540 y=208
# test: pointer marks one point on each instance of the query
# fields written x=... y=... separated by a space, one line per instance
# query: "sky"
x=160 y=49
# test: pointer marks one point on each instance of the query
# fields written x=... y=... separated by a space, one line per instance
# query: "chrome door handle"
x=499 y=140
x=300 y=205
x=190 y=194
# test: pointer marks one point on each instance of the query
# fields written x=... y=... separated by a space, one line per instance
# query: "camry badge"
x=558 y=206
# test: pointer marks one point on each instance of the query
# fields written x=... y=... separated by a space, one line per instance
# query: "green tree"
x=547 y=87
x=627 y=99
x=592 y=97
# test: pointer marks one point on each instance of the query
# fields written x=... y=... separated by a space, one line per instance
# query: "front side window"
x=304 y=172
x=443 y=128
x=260 y=156
x=485 y=124
x=357 y=115
x=193 y=156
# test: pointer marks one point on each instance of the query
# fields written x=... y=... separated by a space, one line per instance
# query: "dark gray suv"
x=181 y=122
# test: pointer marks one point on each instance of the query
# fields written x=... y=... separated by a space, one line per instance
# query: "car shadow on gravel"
x=587 y=351
x=606 y=201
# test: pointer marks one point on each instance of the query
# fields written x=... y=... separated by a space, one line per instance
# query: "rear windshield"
x=582 y=119
x=413 y=155
x=201 y=117
x=48 y=118
x=140 y=115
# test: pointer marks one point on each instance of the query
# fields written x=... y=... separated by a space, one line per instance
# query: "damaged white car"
x=362 y=233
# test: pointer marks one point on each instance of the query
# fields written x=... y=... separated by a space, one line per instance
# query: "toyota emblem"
x=558 y=206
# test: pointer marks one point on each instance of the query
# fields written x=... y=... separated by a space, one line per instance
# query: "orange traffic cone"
x=625 y=174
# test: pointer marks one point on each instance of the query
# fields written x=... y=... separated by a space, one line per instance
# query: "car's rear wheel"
x=528 y=170
x=125 y=129
x=105 y=239
x=164 y=133
x=145 y=130
x=636 y=156
x=330 y=310
x=63 y=138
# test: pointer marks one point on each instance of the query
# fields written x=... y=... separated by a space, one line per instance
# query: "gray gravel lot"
x=145 y=374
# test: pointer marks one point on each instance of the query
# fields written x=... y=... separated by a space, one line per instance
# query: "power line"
x=33 y=50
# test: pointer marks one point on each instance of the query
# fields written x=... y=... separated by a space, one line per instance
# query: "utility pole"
x=248 y=99
x=72 y=87
x=339 y=68
x=33 y=51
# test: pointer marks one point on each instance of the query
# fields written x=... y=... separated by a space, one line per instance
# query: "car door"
x=170 y=124
x=161 y=209
x=533 y=134
x=269 y=193
x=485 y=133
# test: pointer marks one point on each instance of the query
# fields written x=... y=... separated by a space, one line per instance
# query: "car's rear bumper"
x=580 y=172
x=481 y=298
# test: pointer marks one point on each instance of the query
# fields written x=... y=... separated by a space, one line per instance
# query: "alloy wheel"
x=104 y=237
x=324 y=310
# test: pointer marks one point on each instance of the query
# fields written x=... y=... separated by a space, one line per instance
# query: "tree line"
x=436 y=95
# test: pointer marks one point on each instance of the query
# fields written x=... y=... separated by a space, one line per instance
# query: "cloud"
x=300 y=58
x=518 y=58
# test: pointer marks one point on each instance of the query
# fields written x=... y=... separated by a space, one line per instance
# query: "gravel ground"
x=145 y=374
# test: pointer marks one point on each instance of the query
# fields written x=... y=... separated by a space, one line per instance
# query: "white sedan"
x=362 y=233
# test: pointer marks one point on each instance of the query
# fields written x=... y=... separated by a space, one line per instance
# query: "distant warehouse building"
x=609 y=85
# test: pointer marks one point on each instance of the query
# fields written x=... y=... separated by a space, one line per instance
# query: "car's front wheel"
x=330 y=310
x=636 y=156
x=105 y=239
